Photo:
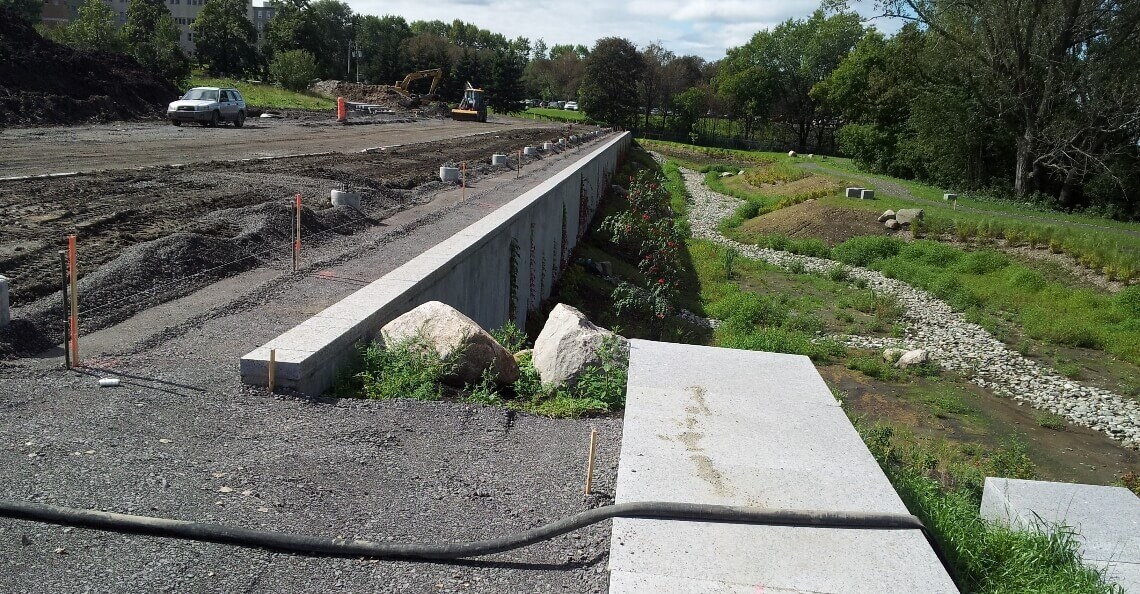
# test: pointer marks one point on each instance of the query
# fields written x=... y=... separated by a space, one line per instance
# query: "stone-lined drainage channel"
x=931 y=324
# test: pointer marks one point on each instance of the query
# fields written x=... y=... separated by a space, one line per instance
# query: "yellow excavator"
x=473 y=107
x=409 y=99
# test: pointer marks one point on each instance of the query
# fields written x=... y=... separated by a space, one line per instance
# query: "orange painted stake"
x=341 y=110
x=73 y=272
x=297 y=233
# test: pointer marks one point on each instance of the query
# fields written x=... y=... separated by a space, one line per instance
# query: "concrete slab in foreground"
x=1106 y=520
x=709 y=425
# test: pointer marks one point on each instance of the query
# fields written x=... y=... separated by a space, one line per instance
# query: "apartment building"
x=61 y=12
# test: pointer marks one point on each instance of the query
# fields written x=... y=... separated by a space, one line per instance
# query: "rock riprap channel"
x=953 y=342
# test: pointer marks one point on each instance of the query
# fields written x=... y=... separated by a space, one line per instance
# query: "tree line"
x=1036 y=101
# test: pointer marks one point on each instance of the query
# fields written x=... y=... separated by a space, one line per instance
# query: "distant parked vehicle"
x=571 y=105
x=208 y=106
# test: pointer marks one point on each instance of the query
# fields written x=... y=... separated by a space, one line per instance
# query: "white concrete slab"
x=721 y=426
x=1106 y=520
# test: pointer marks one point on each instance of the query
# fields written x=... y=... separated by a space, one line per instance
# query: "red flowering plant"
x=646 y=228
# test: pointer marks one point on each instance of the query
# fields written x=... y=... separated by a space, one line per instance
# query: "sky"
x=705 y=28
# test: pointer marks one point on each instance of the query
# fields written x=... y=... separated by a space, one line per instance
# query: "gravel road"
x=121 y=145
x=182 y=438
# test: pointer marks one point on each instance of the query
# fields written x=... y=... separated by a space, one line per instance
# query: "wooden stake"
x=518 y=173
x=590 y=462
x=73 y=272
x=463 y=180
x=272 y=369
x=63 y=290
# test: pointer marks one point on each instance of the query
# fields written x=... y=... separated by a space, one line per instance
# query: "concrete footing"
x=548 y=146
x=853 y=192
x=1106 y=520
x=530 y=151
x=342 y=198
x=498 y=159
x=867 y=195
x=5 y=314
x=950 y=197
x=746 y=428
x=449 y=174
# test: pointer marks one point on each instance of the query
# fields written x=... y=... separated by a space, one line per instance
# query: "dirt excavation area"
x=145 y=236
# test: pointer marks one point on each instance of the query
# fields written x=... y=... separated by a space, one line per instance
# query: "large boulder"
x=892 y=224
x=886 y=216
x=906 y=216
x=447 y=331
x=915 y=357
x=893 y=354
x=568 y=345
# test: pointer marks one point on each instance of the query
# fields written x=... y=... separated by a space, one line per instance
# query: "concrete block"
x=867 y=195
x=530 y=151
x=5 y=313
x=497 y=159
x=950 y=197
x=449 y=174
x=853 y=192
x=1106 y=520
x=548 y=146
x=341 y=198
x=721 y=426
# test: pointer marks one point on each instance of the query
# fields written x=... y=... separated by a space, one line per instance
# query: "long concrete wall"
x=517 y=250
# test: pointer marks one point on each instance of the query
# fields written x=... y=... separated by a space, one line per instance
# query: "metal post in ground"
x=73 y=274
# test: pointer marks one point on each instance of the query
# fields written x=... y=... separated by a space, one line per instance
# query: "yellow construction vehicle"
x=410 y=99
x=473 y=107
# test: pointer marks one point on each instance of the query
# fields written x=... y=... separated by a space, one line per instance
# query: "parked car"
x=208 y=106
x=572 y=105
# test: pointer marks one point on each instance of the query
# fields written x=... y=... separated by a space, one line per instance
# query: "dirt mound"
x=43 y=82
x=385 y=95
x=812 y=219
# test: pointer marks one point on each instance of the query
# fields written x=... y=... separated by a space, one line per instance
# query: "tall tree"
x=152 y=39
x=380 y=40
x=28 y=10
x=333 y=24
x=609 y=85
x=1050 y=69
x=656 y=59
x=291 y=28
x=94 y=28
x=224 y=38
x=506 y=92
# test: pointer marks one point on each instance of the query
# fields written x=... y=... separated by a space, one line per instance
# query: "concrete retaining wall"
x=745 y=428
x=471 y=271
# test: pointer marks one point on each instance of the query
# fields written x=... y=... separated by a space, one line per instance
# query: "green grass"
x=941 y=483
x=267 y=96
x=990 y=286
x=558 y=115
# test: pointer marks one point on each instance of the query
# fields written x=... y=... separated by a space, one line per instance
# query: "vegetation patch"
x=267 y=96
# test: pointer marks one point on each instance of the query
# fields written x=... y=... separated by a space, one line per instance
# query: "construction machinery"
x=473 y=107
x=409 y=99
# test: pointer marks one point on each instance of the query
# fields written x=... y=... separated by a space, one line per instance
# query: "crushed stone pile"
x=43 y=82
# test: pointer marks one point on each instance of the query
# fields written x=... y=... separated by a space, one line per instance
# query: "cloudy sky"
x=702 y=27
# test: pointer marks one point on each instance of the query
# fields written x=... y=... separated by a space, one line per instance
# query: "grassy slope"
x=560 y=115
x=267 y=96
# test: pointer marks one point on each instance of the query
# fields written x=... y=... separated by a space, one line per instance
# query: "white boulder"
x=915 y=357
x=886 y=216
x=568 y=345
x=893 y=354
x=892 y=224
x=906 y=216
x=447 y=331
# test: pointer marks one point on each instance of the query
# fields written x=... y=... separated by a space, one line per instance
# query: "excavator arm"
x=435 y=73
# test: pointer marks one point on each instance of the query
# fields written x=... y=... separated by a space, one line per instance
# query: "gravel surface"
x=954 y=342
x=183 y=439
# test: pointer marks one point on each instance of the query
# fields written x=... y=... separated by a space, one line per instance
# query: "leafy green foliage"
x=408 y=369
x=152 y=38
x=609 y=84
x=28 y=10
x=94 y=28
x=864 y=250
x=293 y=69
x=225 y=38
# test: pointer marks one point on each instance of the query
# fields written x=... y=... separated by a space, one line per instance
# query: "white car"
x=208 y=106
x=571 y=105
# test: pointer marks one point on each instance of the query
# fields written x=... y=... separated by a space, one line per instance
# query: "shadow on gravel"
x=149 y=383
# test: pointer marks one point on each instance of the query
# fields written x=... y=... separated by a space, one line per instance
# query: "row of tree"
x=1040 y=100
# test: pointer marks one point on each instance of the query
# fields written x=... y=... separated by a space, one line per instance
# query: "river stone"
x=567 y=346
x=448 y=332
x=906 y=216
x=886 y=216
x=892 y=224
x=915 y=357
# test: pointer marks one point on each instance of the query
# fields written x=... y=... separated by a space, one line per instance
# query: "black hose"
x=341 y=547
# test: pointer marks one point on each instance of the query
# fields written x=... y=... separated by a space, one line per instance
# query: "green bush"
x=982 y=262
x=863 y=250
x=748 y=309
x=293 y=69
x=1128 y=302
x=1026 y=280
x=406 y=369
x=932 y=253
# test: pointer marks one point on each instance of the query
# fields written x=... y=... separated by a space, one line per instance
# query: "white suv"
x=208 y=106
x=571 y=105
